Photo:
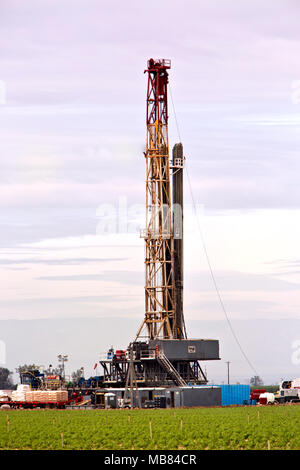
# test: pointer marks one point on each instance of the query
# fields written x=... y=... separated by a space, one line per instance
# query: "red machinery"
x=256 y=393
x=120 y=355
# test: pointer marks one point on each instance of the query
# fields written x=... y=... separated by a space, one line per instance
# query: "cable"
x=215 y=282
x=207 y=256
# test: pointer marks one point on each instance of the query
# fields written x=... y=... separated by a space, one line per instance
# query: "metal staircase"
x=167 y=365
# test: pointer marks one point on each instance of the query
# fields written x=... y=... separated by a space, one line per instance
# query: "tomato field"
x=261 y=427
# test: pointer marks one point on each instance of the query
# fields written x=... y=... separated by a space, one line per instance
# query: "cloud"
x=292 y=119
x=238 y=281
x=80 y=299
x=284 y=273
x=195 y=281
x=17 y=269
x=288 y=263
x=58 y=262
x=122 y=277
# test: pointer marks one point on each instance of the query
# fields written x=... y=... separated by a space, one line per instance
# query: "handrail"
x=170 y=368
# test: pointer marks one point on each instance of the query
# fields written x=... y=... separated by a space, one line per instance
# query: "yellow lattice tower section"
x=159 y=259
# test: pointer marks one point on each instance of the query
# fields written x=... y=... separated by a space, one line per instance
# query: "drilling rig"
x=161 y=354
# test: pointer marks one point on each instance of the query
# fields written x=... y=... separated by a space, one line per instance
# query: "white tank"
x=269 y=396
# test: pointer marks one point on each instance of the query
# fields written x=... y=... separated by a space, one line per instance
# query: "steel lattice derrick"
x=159 y=263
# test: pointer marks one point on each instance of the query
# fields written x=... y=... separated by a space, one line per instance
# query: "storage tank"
x=265 y=398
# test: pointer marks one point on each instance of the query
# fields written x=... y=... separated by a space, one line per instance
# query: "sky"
x=72 y=175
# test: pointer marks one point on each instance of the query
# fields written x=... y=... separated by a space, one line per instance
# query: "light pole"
x=62 y=359
x=228 y=381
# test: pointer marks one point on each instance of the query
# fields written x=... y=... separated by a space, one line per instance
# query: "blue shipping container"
x=235 y=394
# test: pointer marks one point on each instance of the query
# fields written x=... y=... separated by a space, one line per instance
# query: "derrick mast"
x=161 y=354
x=159 y=241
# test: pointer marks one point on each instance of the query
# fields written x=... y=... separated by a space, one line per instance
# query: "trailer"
x=13 y=404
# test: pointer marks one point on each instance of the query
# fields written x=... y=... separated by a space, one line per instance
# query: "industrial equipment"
x=25 y=397
x=267 y=399
x=33 y=377
x=161 y=366
x=289 y=391
x=161 y=354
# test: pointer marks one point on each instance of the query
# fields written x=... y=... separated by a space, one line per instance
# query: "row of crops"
x=266 y=427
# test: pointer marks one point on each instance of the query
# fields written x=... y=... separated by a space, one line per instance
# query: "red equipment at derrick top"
x=155 y=64
x=157 y=98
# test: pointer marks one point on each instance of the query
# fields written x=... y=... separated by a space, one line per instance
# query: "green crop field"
x=274 y=427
